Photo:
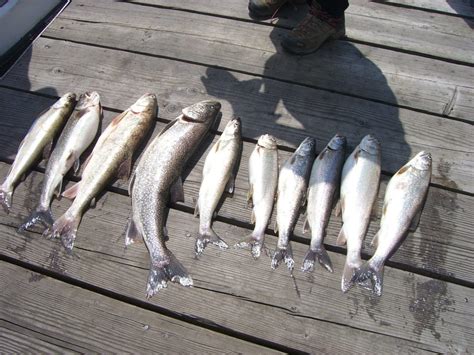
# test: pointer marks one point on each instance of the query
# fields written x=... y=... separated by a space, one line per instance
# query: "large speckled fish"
x=359 y=187
x=78 y=134
x=157 y=177
x=292 y=186
x=38 y=140
x=111 y=157
x=323 y=183
x=403 y=203
x=263 y=181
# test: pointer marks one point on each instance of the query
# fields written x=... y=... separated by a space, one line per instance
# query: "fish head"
x=267 y=141
x=145 y=104
x=370 y=144
x=421 y=161
x=203 y=112
x=232 y=129
x=307 y=147
x=337 y=142
x=88 y=99
x=67 y=100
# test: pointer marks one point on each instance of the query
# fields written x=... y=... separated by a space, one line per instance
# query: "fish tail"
x=283 y=254
x=206 y=237
x=39 y=215
x=255 y=242
x=347 y=276
x=6 y=198
x=320 y=255
x=163 y=269
x=370 y=272
x=65 y=228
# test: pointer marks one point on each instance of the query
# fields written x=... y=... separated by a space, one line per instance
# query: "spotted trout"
x=38 y=140
x=292 y=186
x=156 y=180
x=359 y=187
x=263 y=181
x=323 y=183
x=111 y=157
x=77 y=135
x=404 y=199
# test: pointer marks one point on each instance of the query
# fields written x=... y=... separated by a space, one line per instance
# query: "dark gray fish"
x=158 y=175
x=404 y=199
x=323 y=183
x=292 y=187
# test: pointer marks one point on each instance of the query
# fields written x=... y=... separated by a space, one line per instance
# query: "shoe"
x=264 y=9
x=316 y=28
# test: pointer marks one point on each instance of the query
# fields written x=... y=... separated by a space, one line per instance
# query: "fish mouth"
x=65 y=100
x=144 y=103
x=337 y=142
x=202 y=111
x=370 y=144
x=307 y=147
x=267 y=141
x=422 y=161
x=87 y=99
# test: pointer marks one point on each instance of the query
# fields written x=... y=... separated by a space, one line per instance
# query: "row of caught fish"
x=157 y=179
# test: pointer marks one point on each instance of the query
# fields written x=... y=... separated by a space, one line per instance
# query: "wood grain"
x=246 y=296
x=289 y=112
x=457 y=7
x=95 y=323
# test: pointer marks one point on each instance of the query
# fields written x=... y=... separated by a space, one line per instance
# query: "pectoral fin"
x=341 y=238
x=375 y=242
x=306 y=227
x=229 y=187
x=249 y=196
x=196 y=209
x=125 y=169
x=177 y=191
x=130 y=184
x=47 y=150
x=416 y=219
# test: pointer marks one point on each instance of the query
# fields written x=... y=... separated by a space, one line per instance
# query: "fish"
x=220 y=168
x=403 y=203
x=156 y=180
x=323 y=183
x=111 y=157
x=263 y=182
x=292 y=188
x=77 y=135
x=39 y=139
x=359 y=188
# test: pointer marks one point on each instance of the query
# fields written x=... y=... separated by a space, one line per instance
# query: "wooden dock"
x=404 y=73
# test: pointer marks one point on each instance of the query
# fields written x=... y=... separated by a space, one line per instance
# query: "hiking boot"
x=264 y=9
x=316 y=28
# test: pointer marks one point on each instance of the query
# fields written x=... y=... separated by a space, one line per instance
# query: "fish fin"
x=71 y=193
x=341 y=238
x=275 y=229
x=39 y=215
x=416 y=218
x=125 y=169
x=168 y=126
x=255 y=243
x=65 y=228
x=47 y=150
x=132 y=235
x=163 y=269
x=23 y=177
x=165 y=234
x=370 y=272
x=88 y=159
x=209 y=236
x=306 y=226
x=338 y=208
x=93 y=202
x=76 y=166
x=304 y=199
x=177 y=191
x=319 y=255
x=130 y=184
x=6 y=199
x=375 y=241
x=249 y=196
x=116 y=120
x=347 y=274
x=57 y=191
x=196 y=209
x=285 y=255
x=230 y=186
x=252 y=217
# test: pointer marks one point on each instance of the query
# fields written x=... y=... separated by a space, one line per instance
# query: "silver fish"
x=38 y=140
x=323 y=183
x=77 y=135
x=218 y=176
x=359 y=187
x=404 y=199
x=158 y=175
x=111 y=157
x=263 y=181
x=292 y=186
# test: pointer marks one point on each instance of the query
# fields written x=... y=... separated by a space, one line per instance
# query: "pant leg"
x=334 y=8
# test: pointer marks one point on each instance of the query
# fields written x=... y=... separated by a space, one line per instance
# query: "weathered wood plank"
x=100 y=324
x=354 y=69
x=249 y=297
x=400 y=28
x=18 y=340
x=459 y=7
x=442 y=245
x=287 y=111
